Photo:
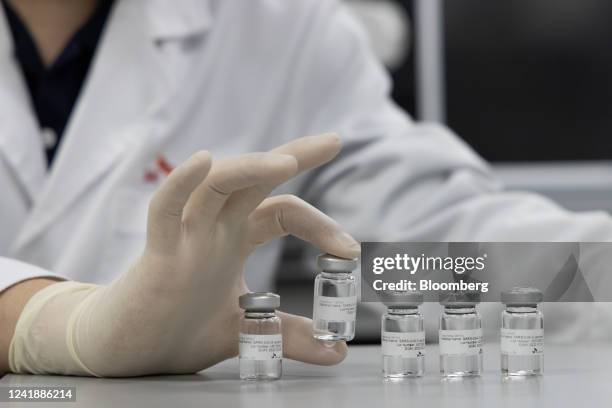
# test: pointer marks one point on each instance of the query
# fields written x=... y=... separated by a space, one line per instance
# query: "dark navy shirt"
x=54 y=89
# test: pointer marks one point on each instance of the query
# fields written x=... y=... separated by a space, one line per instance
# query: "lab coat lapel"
x=20 y=142
x=119 y=105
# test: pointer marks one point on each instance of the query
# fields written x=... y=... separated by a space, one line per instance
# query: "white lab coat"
x=234 y=76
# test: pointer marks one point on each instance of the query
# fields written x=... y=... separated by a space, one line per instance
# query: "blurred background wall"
x=527 y=83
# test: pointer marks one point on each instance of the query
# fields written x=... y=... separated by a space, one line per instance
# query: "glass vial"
x=402 y=336
x=335 y=299
x=261 y=341
x=460 y=335
x=522 y=333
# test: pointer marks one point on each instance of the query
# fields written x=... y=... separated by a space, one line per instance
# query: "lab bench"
x=575 y=376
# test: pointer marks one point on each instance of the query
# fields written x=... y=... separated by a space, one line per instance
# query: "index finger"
x=312 y=151
x=309 y=152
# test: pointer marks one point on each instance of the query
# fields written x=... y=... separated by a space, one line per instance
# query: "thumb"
x=298 y=343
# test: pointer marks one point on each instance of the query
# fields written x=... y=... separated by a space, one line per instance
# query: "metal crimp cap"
x=402 y=299
x=522 y=296
x=332 y=263
x=459 y=299
x=259 y=301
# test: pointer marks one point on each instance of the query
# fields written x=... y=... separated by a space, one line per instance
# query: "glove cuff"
x=43 y=342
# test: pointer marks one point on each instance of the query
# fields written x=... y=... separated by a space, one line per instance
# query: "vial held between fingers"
x=335 y=299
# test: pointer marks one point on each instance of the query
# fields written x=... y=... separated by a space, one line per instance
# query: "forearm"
x=12 y=302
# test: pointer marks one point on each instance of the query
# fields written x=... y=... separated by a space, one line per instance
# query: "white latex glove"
x=176 y=310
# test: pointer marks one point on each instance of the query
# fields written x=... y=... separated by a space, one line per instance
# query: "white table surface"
x=575 y=376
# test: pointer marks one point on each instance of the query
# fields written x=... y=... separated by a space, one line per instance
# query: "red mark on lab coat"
x=162 y=169
x=151 y=176
x=163 y=165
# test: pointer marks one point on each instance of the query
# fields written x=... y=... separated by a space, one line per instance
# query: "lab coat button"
x=49 y=138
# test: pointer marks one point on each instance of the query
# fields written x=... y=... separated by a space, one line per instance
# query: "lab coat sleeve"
x=13 y=272
x=397 y=180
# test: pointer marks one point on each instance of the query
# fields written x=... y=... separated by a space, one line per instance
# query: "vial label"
x=461 y=341
x=523 y=342
x=260 y=346
x=396 y=344
x=335 y=309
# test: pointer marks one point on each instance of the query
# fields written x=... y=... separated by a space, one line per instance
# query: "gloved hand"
x=176 y=310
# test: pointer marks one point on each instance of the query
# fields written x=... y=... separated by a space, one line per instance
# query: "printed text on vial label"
x=260 y=346
x=339 y=309
x=403 y=344
x=522 y=342
x=460 y=341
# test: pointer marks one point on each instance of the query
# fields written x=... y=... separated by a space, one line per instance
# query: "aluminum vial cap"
x=259 y=301
x=335 y=264
x=522 y=296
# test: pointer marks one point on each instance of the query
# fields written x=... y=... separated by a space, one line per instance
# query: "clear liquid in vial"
x=334 y=307
x=461 y=364
x=261 y=370
x=526 y=361
x=266 y=368
x=398 y=323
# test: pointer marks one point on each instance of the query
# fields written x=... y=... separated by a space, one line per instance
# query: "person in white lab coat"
x=235 y=76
